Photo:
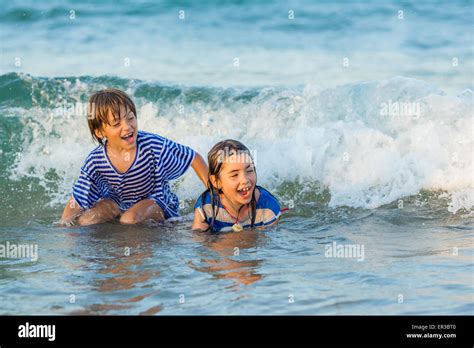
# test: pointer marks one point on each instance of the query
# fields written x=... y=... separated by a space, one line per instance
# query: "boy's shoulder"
x=94 y=157
x=150 y=142
x=156 y=141
x=142 y=135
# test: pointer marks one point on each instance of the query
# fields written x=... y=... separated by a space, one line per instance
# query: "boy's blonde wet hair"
x=103 y=102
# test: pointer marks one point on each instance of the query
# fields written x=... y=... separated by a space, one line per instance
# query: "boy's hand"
x=71 y=212
x=201 y=169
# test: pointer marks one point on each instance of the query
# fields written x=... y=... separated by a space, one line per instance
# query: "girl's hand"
x=198 y=224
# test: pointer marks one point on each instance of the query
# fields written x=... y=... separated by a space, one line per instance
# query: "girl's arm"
x=197 y=223
x=70 y=213
x=270 y=225
x=200 y=167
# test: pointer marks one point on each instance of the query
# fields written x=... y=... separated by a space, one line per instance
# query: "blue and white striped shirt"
x=157 y=161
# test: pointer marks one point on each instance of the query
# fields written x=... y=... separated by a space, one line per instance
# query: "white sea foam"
x=337 y=137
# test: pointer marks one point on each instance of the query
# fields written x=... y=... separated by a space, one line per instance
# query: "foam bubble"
x=336 y=137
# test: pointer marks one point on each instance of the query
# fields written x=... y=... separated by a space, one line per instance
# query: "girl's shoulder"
x=266 y=200
x=204 y=207
x=268 y=208
x=203 y=199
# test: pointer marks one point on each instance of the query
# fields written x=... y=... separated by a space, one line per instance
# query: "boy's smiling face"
x=237 y=179
x=121 y=132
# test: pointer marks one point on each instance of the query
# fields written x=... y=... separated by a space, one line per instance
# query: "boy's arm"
x=200 y=167
x=70 y=213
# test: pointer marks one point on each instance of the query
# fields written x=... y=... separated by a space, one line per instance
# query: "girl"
x=233 y=201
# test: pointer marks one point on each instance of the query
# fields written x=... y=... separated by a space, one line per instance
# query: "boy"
x=128 y=174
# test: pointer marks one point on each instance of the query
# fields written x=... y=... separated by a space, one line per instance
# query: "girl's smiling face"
x=237 y=179
x=121 y=132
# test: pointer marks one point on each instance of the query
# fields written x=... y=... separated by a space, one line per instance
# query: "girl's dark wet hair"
x=215 y=158
x=103 y=102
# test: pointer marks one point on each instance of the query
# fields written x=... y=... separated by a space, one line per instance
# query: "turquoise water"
x=397 y=184
x=378 y=40
x=171 y=270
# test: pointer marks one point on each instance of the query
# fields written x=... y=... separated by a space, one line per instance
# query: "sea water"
x=359 y=115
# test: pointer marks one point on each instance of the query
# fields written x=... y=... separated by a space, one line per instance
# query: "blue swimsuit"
x=267 y=212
